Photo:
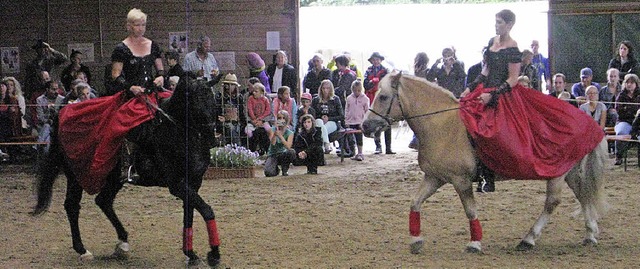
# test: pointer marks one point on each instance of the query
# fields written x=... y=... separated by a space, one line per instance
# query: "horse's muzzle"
x=371 y=126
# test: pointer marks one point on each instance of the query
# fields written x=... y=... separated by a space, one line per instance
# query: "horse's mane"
x=433 y=90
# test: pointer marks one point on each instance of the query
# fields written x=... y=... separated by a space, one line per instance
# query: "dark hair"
x=74 y=53
x=304 y=117
x=507 y=15
x=342 y=60
x=172 y=55
x=421 y=61
x=253 y=80
x=627 y=44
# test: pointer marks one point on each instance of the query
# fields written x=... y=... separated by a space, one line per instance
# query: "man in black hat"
x=372 y=77
x=46 y=59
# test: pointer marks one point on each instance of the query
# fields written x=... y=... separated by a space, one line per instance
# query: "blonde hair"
x=332 y=93
x=136 y=14
x=16 y=84
x=259 y=86
x=564 y=96
x=524 y=81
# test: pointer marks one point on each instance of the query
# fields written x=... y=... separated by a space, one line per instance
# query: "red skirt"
x=92 y=132
x=529 y=135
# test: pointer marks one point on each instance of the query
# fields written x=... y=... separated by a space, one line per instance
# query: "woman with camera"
x=280 y=150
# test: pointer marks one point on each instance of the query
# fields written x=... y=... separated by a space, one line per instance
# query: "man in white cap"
x=586 y=77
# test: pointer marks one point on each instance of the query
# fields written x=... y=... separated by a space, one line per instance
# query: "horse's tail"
x=590 y=183
x=49 y=164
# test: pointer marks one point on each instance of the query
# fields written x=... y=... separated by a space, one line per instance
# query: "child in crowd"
x=597 y=110
x=306 y=108
x=280 y=149
x=308 y=144
x=287 y=103
x=356 y=106
x=259 y=110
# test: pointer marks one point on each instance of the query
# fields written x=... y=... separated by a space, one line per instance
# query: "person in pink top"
x=259 y=110
x=356 y=106
x=287 y=103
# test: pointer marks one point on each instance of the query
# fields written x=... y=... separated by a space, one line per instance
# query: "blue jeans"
x=622 y=128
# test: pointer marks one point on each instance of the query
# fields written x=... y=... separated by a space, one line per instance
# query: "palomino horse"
x=446 y=155
x=177 y=156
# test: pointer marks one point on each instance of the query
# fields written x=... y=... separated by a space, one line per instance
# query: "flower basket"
x=231 y=161
x=223 y=173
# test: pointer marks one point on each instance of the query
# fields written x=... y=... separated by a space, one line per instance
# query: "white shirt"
x=277 y=79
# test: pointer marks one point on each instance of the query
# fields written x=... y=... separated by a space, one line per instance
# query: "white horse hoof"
x=122 y=250
x=474 y=247
x=589 y=242
x=86 y=257
x=524 y=246
x=416 y=245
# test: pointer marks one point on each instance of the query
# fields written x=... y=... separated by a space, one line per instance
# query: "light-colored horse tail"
x=589 y=180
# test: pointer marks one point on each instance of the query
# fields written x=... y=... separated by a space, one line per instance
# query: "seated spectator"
x=48 y=105
x=280 y=151
x=81 y=92
x=230 y=106
x=284 y=101
x=627 y=105
x=259 y=112
x=597 y=110
x=257 y=70
x=173 y=61
x=316 y=74
x=9 y=116
x=586 y=77
x=173 y=83
x=308 y=144
x=559 y=89
x=305 y=107
x=81 y=76
x=15 y=91
x=608 y=95
x=357 y=106
x=328 y=110
x=625 y=62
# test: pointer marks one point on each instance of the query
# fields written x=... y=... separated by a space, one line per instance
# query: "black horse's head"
x=192 y=104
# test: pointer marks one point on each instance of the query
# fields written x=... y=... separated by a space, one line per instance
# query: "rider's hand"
x=485 y=98
x=465 y=92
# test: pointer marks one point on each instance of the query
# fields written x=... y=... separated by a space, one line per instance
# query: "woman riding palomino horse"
x=91 y=133
x=556 y=142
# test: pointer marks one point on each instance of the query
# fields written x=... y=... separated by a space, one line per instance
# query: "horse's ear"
x=395 y=79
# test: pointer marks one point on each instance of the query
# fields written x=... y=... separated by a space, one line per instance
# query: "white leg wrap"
x=86 y=257
x=474 y=246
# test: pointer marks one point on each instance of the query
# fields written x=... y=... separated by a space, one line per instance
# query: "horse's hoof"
x=416 y=246
x=86 y=257
x=524 y=246
x=213 y=258
x=192 y=258
x=122 y=250
x=589 y=242
x=474 y=247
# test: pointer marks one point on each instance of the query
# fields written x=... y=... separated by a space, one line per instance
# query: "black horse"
x=174 y=152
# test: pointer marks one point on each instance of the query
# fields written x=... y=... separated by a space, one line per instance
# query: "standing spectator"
x=352 y=64
x=625 y=61
x=357 y=106
x=280 y=151
x=316 y=74
x=281 y=73
x=200 y=61
x=308 y=144
x=69 y=73
x=609 y=93
x=529 y=70
x=373 y=75
x=259 y=112
x=421 y=65
x=329 y=110
x=627 y=105
x=48 y=105
x=47 y=58
x=15 y=90
x=542 y=66
x=257 y=70
x=342 y=78
x=586 y=77
x=594 y=108
x=230 y=107
x=284 y=101
x=450 y=75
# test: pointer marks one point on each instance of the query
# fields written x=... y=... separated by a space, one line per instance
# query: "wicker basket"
x=223 y=172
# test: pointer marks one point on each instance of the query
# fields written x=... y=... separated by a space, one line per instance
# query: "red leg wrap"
x=414 y=223
x=214 y=239
x=476 y=230
x=187 y=239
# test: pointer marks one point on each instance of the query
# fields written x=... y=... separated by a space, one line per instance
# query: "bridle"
x=394 y=85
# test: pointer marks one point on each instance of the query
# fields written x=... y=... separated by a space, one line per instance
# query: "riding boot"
x=285 y=169
x=376 y=139
x=387 y=142
x=128 y=171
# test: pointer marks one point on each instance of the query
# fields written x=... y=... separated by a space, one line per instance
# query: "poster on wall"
x=179 y=42
x=273 y=40
x=85 y=48
x=10 y=60
x=226 y=60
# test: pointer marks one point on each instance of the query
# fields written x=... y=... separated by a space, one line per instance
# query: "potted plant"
x=231 y=161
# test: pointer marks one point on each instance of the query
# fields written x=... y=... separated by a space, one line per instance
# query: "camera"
x=281 y=123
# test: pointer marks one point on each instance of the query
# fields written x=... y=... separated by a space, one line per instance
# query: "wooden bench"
x=623 y=138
